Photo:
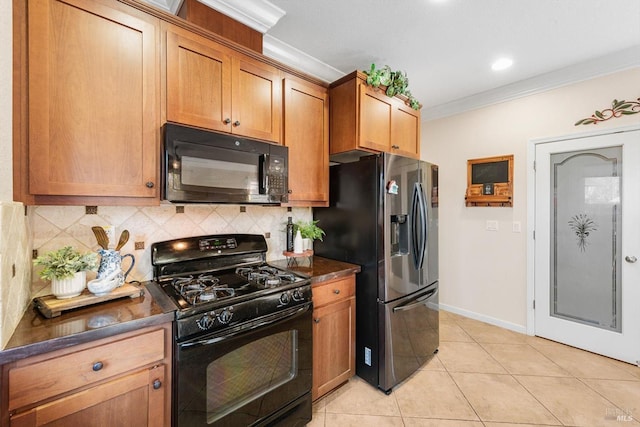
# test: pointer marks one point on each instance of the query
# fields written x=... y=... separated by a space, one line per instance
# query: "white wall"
x=483 y=273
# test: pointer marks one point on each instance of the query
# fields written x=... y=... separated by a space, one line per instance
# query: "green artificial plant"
x=65 y=263
x=309 y=230
x=397 y=83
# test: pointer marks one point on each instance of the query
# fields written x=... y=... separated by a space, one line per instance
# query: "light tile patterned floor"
x=487 y=376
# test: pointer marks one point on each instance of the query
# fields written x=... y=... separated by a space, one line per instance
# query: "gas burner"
x=266 y=276
x=201 y=289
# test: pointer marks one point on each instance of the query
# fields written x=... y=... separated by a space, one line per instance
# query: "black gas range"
x=235 y=313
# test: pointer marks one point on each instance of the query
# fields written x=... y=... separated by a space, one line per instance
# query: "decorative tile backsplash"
x=58 y=226
x=15 y=267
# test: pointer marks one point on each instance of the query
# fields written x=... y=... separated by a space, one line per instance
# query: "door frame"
x=531 y=205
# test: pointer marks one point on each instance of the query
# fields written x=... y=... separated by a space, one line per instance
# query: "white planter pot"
x=69 y=287
x=307 y=244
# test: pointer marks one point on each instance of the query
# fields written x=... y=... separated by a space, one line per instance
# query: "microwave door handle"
x=264 y=175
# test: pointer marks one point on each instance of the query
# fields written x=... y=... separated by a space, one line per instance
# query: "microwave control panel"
x=275 y=179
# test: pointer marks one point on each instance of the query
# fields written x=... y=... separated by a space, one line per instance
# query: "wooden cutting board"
x=50 y=306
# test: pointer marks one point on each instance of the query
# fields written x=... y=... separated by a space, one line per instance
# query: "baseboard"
x=483 y=318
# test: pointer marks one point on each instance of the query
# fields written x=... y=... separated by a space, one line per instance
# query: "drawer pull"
x=336 y=291
x=97 y=366
x=157 y=384
x=316 y=320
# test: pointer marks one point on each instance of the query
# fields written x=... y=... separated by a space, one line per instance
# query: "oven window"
x=219 y=174
x=249 y=372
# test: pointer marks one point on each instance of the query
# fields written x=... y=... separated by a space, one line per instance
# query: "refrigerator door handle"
x=416 y=302
x=419 y=225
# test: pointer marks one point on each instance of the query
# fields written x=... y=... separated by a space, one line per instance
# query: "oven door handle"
x=269 y=320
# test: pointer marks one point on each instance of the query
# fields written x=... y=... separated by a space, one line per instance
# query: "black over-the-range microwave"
x=201 y=166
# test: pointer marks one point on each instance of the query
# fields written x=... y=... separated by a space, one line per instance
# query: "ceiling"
x=447 y=47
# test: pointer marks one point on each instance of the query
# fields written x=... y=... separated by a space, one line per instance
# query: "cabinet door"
x=333 y=345
x=198 y=82
x=306 y=134
x=137 y=399
x=93 y=99
x=405 y=131
x=256 y=99
x=375 y=120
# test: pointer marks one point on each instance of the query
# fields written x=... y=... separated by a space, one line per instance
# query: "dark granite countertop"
x=319 y=269
x=35 y=334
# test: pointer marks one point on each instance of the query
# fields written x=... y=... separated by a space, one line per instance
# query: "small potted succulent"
x=309 y=231
x=66 y=268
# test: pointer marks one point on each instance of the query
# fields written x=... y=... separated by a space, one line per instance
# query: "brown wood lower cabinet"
x=334 y=334
x=118 y=381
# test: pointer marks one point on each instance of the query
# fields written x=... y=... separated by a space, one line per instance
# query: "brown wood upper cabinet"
x=93 y=102
x=365 y=118
x=213 y=87
x=306 y=134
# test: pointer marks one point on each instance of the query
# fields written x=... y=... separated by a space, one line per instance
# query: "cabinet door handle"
x=227 y=121
x=336 y=291
x=236 y=123
x=149 y=184
x=316 y=320
x=395 y=146
x=157 y=384
x=97 y=366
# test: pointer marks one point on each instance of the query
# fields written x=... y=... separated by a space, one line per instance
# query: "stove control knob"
x=206 y=321
x=298 y=295
x=225 y=316
x=285 y=298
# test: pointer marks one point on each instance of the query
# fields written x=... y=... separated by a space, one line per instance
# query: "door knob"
x=630 y=259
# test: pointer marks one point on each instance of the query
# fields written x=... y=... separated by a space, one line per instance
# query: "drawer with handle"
x=332 y=291
x=41 y=380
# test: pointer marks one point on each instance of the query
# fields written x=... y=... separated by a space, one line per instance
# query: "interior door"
x=587 y=242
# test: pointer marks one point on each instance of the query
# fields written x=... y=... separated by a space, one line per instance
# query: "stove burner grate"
x=201 y=289
x=266 y=276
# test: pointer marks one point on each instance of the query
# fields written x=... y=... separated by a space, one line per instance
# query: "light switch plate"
x=516 y=227
x=492 y=225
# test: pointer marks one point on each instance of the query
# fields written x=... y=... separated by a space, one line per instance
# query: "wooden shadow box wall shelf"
x=490 y=181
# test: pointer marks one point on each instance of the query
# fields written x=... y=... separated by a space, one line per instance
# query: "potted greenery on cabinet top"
x=396 y=82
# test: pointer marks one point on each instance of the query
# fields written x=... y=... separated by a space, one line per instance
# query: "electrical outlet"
x=111 y=233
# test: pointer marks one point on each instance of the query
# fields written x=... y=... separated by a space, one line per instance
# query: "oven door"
x=257 y=373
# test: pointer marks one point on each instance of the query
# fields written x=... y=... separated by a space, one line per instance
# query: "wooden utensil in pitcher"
x=124 y=238
x=101 y=236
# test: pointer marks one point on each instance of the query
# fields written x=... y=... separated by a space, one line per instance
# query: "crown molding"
x=607 y=64
x=171 y=6
x=260 y=15
x=295 y=58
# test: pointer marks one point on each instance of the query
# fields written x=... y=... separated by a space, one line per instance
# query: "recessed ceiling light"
x=501 y=64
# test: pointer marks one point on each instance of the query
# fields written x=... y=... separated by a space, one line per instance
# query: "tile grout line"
x=509 y=374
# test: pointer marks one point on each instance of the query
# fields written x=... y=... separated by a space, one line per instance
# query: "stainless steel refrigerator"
x=383 y=216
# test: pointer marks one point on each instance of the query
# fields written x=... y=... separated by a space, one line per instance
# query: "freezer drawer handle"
x=417 y=302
